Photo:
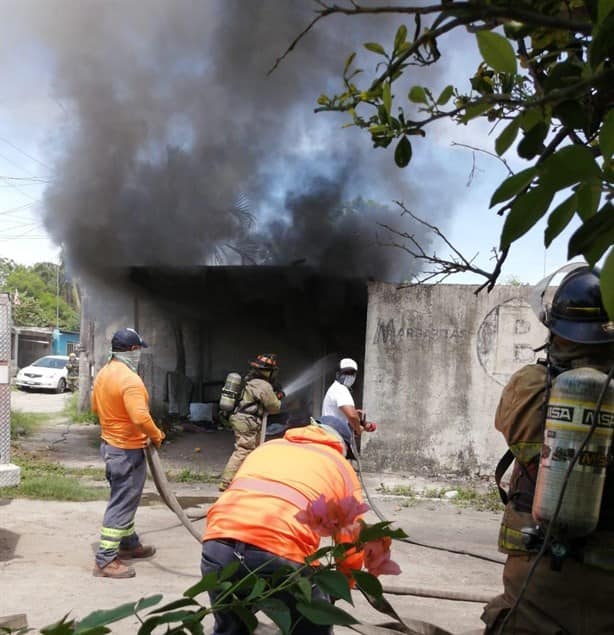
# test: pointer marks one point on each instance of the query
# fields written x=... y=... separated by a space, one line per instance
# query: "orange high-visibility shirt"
x=121 y=402
x=309 y=462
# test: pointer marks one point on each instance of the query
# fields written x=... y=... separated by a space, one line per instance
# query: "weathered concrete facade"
x=437 y=357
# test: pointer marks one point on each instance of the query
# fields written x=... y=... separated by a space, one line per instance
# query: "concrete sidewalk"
x=47 y=548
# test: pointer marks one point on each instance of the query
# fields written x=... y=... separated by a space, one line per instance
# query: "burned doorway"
x=213 y=320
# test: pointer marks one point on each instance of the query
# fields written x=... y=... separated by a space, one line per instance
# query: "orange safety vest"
x=273 y=484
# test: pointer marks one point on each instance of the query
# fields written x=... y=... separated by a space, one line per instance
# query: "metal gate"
x=9 y=474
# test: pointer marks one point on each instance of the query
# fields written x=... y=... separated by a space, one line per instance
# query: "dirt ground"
x=47 y=548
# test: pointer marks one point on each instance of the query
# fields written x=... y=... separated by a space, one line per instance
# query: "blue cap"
x=125 y=339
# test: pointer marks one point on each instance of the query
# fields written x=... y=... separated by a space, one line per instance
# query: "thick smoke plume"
x=179 y=150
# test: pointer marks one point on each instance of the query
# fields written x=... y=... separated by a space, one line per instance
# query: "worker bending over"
x=255 y=522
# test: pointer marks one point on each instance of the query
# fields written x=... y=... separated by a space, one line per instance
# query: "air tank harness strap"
x=506 y=460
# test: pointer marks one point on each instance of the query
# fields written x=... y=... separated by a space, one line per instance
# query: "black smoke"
x=178 y=149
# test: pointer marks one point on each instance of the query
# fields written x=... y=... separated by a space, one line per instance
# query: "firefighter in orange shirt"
x=254 y=521
x=122 y=403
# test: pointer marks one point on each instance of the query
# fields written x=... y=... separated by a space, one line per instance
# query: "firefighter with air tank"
x=248 y=400
x=557 y=417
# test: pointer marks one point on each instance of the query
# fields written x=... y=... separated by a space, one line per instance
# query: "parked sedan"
x=46 y=373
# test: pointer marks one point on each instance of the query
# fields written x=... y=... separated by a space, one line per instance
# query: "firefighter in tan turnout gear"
x=545 y=412
x=257 y=397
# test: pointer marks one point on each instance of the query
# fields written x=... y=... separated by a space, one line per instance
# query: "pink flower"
x=329 y=518
x=348 y=511
x=377 y=557
x=317 y=517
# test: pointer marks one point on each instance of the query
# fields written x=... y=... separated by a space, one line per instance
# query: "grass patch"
x=187 y=476
x=481 y=501
x=71 y=411
x=398 y=490
x=24 y=424
x=466 y=497
x=51 y=481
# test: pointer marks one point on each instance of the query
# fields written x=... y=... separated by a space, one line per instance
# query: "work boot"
x=140 y=551
x=115 y=569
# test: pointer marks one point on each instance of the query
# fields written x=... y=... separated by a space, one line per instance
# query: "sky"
x=74 y=99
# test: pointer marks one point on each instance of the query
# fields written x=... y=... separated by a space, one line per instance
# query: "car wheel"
x=61 y=387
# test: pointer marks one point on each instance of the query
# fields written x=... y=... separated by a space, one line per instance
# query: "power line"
x=29 y=179
x=24 y=153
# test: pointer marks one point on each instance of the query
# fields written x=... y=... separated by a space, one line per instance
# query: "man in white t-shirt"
x=338 y=401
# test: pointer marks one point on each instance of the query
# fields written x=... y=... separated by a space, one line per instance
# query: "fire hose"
x=170 y=500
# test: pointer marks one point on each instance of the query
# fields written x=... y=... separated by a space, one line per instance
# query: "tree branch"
x=456 y=262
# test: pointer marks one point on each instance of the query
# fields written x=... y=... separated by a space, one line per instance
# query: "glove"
x=280 y=394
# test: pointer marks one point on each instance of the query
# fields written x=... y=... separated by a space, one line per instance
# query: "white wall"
x=436 y=359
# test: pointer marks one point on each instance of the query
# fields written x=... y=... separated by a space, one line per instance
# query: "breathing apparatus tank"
x=569 y=414
x=230 y=392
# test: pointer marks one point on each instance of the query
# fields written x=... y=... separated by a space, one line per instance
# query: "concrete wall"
x=436 y=359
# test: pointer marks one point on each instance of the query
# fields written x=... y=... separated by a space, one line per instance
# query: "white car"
x=48 y=373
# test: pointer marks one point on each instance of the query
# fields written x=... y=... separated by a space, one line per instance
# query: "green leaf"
x=379 y=530
x=603 y=36
x=145 y=603
x=594 y=237
x=387 y=97
x=417 y=95
x=348 y=62
x=325 y=614
x=177 y=604
x=607 y=284
x=496 y=51
x=334 y=583
x=569 y=165
x=368 y=583
x=507 y=137
x=277 y=611
x=526 y=210
x=606 y=136
x=571 y=114
x=247 y=617
x=605 y=7
x=446 y=93
x=559 y=218
x=402 y=153
x=532 y=143
x=304 y=588
x=259 y=586
x=589 y=195
x=474 y=110
x=375 y=48
x=400 y=37
x=102 y=617
x=512 y=185
x=206 y=583
x=320 y=553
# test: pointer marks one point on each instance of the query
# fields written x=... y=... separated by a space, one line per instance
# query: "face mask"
x=130 y=358
x=347 y=380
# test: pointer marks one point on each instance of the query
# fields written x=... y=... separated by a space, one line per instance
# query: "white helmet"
x=348 y=364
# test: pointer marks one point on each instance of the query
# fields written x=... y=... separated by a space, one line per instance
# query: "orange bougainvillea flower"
x=377 y=557
x=328 y=518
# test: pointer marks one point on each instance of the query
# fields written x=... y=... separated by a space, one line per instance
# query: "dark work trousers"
x=126 y=471
x=218 y=554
